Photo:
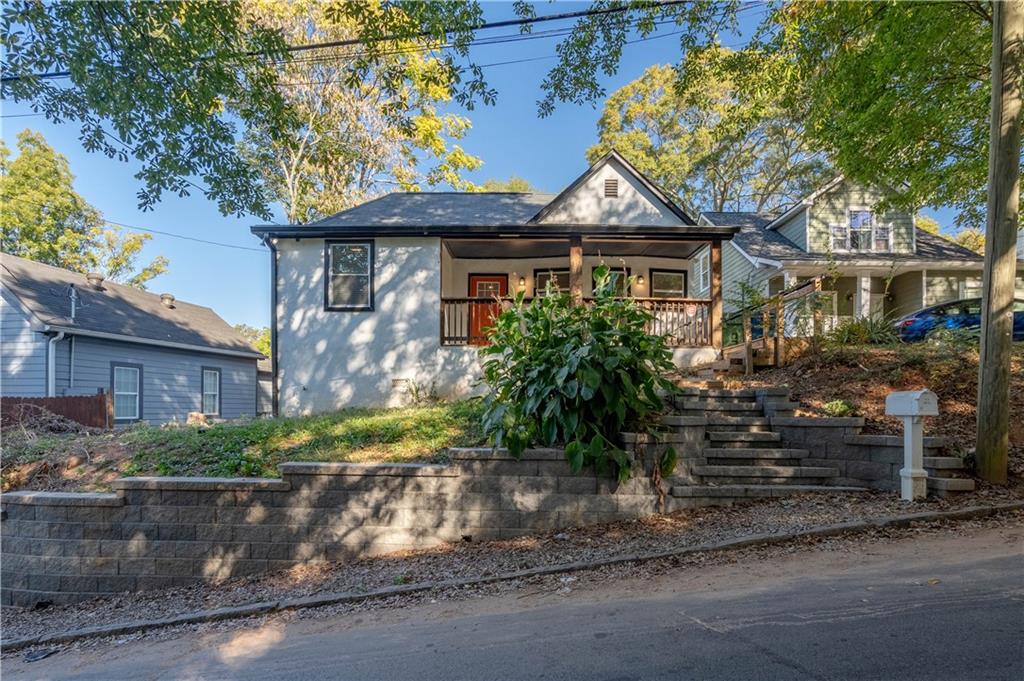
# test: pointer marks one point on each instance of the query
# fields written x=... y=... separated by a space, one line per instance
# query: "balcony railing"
x=684 y=322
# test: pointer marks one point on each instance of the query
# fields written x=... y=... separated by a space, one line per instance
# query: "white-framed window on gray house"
x=348 y=281
x=668 y=283
x=126 y=387
x=211 y=391
x=702 y=268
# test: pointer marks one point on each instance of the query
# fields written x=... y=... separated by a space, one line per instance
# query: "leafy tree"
x=165 y=83
x=927 y=224
x=175 y=84
x=45 y=219
x=512 y=184
x=972 y=239
x=257 y=337
x=116 y=256
x=699 y=142
x=357 y=137
x=896 y=93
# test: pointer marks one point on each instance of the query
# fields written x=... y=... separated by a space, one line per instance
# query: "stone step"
x=949 y=463
x=754 y=453
x=755 y=491
x=775 y=472
x=723 y=420
x=951 y=484
x=723 y=405
x=741 y=438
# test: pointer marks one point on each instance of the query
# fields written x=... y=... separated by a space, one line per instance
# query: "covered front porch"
x=678 y=280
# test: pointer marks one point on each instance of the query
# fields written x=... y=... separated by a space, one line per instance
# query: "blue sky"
x=509 y=137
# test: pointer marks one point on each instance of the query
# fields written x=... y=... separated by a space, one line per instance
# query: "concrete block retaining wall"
x=862 y=460
x=163 y=532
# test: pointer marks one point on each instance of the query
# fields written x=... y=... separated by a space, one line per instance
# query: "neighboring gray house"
x=886 y=265
x=64 y=333
x=391 y=298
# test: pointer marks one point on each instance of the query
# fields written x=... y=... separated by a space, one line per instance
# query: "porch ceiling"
x=526 y=248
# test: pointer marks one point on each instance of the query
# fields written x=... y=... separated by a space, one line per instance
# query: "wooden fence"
x=94 y=411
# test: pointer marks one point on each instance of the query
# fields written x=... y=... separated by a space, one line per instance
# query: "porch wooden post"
x=576 y=268
x=780 y=330
x=716 y=294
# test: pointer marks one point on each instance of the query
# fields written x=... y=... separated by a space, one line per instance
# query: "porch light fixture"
x=522 y=283
x=640 y=279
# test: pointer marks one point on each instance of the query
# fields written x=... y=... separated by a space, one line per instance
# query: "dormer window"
x=861 y=233
x=611 y=188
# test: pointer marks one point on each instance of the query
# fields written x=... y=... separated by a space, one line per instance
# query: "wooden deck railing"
x=684 y=322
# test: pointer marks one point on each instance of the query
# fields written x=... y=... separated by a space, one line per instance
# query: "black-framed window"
x=126 y=389
x=348 y=275
x=668 y=283
x=619 y=275
x=210 y=394
x=559 y=279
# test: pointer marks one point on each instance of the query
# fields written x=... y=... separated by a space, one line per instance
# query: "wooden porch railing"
x=794 y=313
x=684 y=322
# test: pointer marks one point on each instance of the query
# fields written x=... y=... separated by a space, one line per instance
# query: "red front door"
x=483 y=312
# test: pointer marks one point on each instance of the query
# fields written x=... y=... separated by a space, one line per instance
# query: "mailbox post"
x=912 y=405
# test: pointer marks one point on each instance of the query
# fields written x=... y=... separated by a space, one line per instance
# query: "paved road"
x=935 y=608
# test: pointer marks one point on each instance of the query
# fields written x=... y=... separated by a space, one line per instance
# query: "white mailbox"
x=911 y=405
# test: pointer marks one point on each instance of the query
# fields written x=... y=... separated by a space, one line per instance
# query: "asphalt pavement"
x=935 y=609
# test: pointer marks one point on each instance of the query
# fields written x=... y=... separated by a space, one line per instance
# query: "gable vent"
x=611 y=188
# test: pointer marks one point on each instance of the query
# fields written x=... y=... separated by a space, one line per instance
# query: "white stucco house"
x=391 y=297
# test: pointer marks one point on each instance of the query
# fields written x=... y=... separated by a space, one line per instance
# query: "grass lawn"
x=250 y=448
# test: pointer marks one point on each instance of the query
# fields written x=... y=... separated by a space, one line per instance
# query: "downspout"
x=71 y=363
x=274 y=393
x=51 y=364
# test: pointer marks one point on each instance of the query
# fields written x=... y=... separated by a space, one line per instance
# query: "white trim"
x=757 y=261
x=203 y=392
x=913 y=232
x=136 y=393
x=150 y=341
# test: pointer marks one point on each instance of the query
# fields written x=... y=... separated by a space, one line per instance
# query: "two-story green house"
x=885 y=264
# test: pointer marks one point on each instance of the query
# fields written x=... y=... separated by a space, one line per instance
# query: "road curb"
x=264 y=607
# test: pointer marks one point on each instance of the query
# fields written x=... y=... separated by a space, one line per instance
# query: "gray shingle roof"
x=115 y=309
x=450 y=209
x=741 y=219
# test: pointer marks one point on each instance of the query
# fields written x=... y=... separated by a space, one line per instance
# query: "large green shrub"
x=863 y=331
x=575 y=375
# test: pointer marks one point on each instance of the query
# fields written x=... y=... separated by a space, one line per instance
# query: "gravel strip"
x=462 y=561
x=563 y=585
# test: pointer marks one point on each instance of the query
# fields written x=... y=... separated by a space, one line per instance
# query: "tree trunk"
x=993 y=442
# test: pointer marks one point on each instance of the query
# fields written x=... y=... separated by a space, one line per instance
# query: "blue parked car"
x=959 y=314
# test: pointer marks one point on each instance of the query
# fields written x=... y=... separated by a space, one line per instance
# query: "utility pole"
x=993 y=440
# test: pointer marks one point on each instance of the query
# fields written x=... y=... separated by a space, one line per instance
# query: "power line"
x=192 y=239
x=154 y=231
x=524 y=21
